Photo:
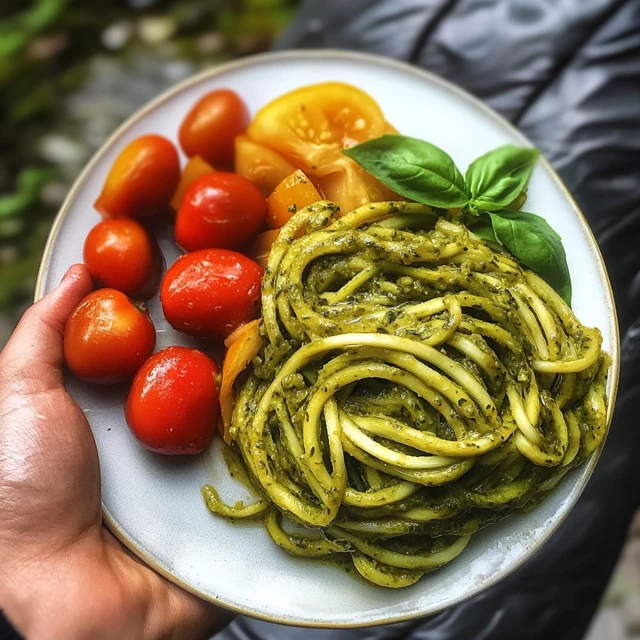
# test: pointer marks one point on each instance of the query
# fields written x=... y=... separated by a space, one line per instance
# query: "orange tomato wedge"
x=352 y=186
x=260 y=164
x=355 y=187
x=294 y=193
x=195 y=168
x=390 y=129
x=310 y=126
x=259 y=249
x=242 y=347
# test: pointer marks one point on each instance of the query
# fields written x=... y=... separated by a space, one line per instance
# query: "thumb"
x=34 y=351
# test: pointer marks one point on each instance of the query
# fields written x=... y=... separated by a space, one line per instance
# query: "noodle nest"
x=414 y=384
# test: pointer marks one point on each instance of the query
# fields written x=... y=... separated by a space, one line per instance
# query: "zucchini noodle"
x=414 y=384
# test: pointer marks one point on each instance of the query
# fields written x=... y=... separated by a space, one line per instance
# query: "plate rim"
x=422 y=74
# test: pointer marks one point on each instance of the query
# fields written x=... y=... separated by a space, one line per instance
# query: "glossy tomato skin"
x=120 y=254
x=172 y=407
x=210 y=128
x=210 y=293
x=220 y=210
x=142 y=179
x=107 y=338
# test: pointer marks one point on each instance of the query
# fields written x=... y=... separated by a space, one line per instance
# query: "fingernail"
x=71 y=273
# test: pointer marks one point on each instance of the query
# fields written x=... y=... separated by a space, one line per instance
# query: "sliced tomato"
x=242 y=347
x=352 y=187
x=311 y=126
x=294 y=193
x=260 y=164
x=390 y=129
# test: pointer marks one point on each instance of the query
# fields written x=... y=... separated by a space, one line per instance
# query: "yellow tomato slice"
x=242 y=347
x=352 y=186
x=260 y=164
x=390 y=129
x=311 y=126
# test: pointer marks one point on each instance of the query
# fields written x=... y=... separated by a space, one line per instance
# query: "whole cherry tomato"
x=120 y=254
x=220 y=210
x=142 y=179
x=172 y=407
x=211 y=126
x=107 y=338
x=211 y=292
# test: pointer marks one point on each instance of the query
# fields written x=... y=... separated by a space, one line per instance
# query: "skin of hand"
x=62 y=574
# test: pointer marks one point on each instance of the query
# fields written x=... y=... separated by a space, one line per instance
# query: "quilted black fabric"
x=567 y=73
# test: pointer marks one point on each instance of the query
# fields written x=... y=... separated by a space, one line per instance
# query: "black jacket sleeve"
x=7 y=632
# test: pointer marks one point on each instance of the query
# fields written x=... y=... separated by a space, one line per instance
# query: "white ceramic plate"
x=153 y=503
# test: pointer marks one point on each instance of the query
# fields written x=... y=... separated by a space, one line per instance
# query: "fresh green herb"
x=483 y=228
x=517 y=203
x=16 y=31
x=29 y=185
x=532 y=241
x=498 y=177
x=413 y=168
x=494 y=190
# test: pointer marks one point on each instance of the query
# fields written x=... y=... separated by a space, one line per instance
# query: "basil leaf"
x=497 y=178
x=413 y=168
x=483 y=228
x=532 y=242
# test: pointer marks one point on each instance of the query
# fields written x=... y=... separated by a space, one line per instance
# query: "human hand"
x=62 y=574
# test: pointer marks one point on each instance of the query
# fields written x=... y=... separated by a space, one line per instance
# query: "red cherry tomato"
x=172 y=407
x=210 y=293
x=222 y=210
x=210 y=128
x=107 y=338
x=142 y=179
x=121 y=255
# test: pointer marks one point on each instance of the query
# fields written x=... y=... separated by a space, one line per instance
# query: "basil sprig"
x=497 y=178
x=490 y=196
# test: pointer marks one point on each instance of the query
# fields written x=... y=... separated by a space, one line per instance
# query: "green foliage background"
x=71 y=71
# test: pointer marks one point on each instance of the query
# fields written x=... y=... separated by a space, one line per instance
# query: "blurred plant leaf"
x=43 y=94
x=15 y=32
x=15 y=276
x=258 y=19
x=29 y=186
